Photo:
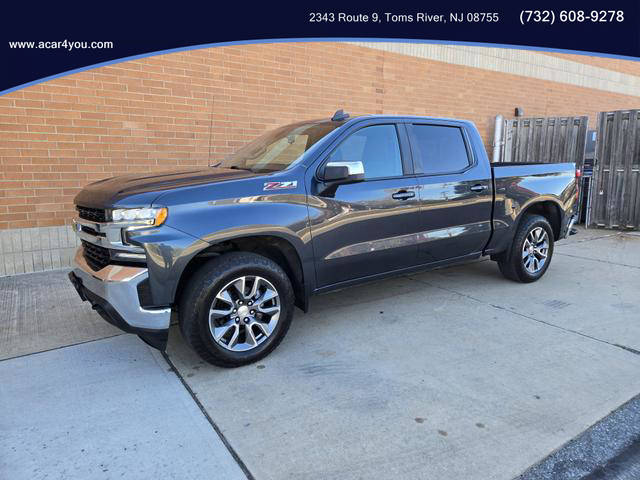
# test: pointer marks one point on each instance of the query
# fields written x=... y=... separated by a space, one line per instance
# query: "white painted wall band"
x=518 y=62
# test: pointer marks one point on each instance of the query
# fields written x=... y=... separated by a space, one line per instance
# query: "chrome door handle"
x=478 y=188
x=403 y=195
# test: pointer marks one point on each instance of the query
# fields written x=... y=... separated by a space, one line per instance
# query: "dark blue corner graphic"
x=42 y=43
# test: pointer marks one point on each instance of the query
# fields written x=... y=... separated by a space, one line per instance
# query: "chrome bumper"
x=115 y=287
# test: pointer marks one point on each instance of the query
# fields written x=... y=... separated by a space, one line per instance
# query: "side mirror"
x=343 y=172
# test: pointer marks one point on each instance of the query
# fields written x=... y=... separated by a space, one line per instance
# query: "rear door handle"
x=403 y=195
x=478 y=188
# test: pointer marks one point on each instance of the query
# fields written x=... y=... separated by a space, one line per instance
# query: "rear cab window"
x=439 y=149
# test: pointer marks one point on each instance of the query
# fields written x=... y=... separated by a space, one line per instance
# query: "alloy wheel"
x=535 y=250
x=244 y=313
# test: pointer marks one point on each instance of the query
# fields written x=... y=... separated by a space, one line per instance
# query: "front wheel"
x=531 y=251
x=236 y=309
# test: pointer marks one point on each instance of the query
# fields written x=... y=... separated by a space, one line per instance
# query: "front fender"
x=168 y=251
x=193 y=227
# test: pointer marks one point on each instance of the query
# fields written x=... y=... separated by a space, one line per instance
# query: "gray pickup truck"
x=310 y=207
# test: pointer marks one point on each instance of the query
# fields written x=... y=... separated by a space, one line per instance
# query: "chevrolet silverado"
x=307 y=208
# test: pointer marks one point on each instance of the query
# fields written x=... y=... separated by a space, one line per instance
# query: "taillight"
x=578 y=175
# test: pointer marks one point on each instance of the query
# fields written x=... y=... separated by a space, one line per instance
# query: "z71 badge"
x=280 y=185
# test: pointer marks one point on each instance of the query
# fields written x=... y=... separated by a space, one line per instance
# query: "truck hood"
x=142 y=189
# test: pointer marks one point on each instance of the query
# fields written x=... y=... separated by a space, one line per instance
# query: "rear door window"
x=440 y=148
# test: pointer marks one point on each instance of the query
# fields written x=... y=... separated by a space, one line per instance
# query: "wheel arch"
x=547 y=208
x=275 y=247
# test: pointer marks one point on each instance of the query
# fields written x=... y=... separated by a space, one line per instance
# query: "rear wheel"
x=236 y=309
x=530 y=254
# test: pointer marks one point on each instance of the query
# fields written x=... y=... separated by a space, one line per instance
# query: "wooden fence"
x=546 y=139
x=615 y=193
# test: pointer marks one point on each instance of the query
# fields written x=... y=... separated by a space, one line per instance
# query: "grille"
x=93 y=214
x=97 y=257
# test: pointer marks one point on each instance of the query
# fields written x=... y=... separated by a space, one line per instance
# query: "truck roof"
x=407 y=117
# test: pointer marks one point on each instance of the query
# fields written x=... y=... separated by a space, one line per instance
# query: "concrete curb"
x=596 y=449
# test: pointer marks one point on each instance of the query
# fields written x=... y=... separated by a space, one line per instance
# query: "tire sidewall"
x=205 y=300
x=532 y=224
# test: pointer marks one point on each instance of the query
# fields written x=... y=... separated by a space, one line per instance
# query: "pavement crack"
x=593 y=238
x=628 y=349
x=528 y=317
x=61 y=347
x=597 y=260
x=224 y=440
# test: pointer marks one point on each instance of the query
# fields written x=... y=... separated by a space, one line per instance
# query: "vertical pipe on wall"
x=497 y=138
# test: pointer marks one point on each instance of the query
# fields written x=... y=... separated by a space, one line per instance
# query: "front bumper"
x=113 y=293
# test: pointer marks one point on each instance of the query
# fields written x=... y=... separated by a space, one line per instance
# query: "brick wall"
x=194 y=107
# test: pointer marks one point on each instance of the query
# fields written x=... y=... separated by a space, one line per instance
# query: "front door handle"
x=478 y=188
x=403 y=195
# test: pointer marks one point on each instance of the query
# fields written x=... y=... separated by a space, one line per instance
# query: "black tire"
x=512 y=265
x=201 y=290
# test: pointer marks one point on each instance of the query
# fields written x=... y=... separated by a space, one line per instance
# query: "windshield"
x=280 y=148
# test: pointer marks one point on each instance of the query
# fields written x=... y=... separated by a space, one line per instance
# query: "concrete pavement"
x=455 y=373
x=42 y=311
x=106 y=409
x=592 y=287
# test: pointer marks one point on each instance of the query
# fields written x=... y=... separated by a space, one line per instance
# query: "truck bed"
x=517 y=185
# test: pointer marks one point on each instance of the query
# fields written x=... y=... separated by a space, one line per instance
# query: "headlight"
x=146 y=216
